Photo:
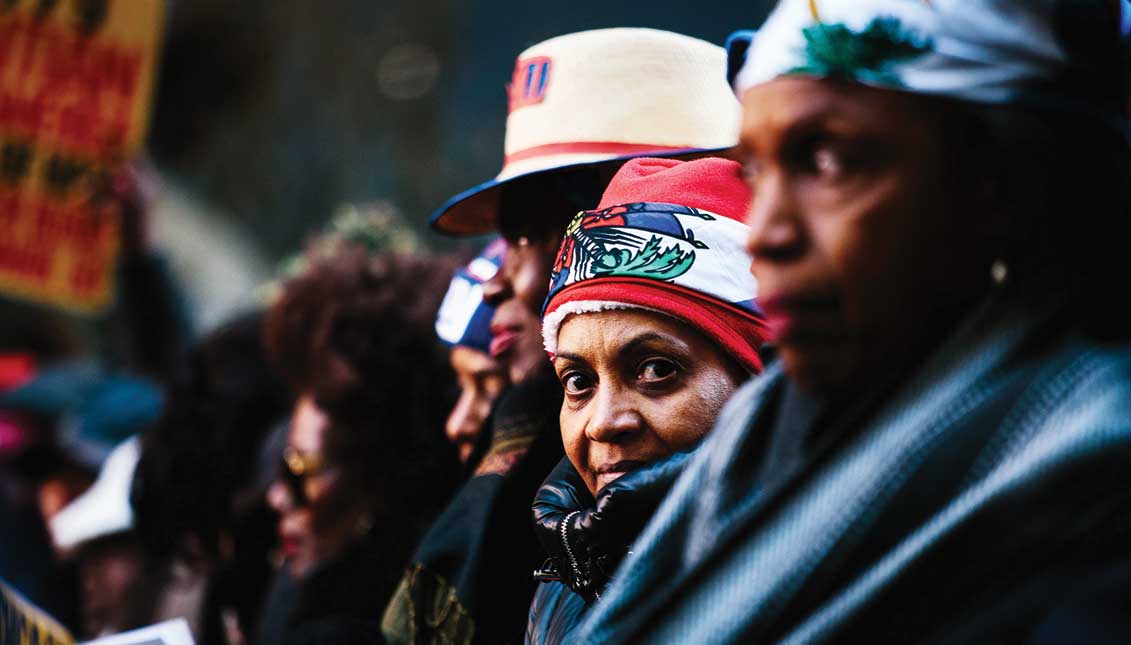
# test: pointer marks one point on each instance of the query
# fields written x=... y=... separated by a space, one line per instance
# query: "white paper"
x=170 y=632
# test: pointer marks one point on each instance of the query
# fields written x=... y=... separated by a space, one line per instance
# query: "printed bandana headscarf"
x=1042 y=54
x=667 y=237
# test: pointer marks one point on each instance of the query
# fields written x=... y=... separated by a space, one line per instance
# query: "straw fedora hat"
x=603 y=96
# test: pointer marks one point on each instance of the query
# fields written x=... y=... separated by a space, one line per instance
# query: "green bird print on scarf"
x=867 y=56
x=652 y=261
x=639 y=240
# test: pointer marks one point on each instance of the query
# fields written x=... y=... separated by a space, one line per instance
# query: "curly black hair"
x=223 y=400
x=355 y=331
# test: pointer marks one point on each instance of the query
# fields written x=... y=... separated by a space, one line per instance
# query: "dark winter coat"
x=983 y=491
x=338 y=602
x=470 y=581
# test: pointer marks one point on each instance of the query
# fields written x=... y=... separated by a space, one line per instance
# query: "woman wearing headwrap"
x=940 y=202
x=464 y=323
x=651 y=326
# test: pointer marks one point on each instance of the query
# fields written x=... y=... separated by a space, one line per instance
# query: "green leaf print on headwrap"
x=649 y=262
x=867 y=56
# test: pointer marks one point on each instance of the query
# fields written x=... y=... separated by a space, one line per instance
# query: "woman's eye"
x=576 y=383
x=657 y=370
x=827 y=162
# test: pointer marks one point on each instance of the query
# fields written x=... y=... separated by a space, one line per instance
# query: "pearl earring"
x=999 y=271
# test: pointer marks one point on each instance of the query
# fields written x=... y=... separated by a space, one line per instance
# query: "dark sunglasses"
x=294 y=468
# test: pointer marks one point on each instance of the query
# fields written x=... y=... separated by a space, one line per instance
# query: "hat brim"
x=476 y=211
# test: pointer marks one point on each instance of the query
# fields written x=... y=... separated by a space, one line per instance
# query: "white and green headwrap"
x=1044 y=54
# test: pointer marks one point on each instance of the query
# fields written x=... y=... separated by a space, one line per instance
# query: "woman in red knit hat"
x=650 y=324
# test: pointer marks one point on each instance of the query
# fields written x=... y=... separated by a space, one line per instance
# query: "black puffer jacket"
x=585 y=540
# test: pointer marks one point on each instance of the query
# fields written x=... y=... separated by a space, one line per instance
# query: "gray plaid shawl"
x=988 y=487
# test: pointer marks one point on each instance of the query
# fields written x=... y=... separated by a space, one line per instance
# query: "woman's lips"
x=503 y=339
x=609 y=473
x=802 y=317
x=288 y=545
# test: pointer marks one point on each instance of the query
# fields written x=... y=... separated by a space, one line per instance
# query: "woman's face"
x=481 y=381
x=320 y=512
x=639 y=386
x=517 y=292
x=866 y=232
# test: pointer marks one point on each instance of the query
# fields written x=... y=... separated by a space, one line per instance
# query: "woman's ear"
x=1018 y=184
x=982 y=172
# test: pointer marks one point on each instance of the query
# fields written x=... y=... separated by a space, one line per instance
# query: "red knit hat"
x=667 y=237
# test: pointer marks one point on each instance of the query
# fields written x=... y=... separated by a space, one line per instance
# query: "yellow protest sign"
x=22 y=622
x=76 y=78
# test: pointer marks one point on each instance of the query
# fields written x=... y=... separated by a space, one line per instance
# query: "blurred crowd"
x=817 y=336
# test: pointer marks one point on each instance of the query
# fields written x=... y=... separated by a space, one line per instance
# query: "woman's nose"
x=613 y=418
x=775 y=232
x=278 y=497
x=499 y=287
x=461 y=422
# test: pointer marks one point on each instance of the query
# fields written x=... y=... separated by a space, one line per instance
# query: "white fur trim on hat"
x=552 y=323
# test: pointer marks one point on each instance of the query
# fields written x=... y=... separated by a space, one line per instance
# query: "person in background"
x=366 y=465
x=58 y=425
x=938 y=228
x=198 y=494
x=651 y=324
x=147 y=329
x=29 y=465
x=96 y=532
x=76 y=412
x=580 y=105
x=464 y=323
